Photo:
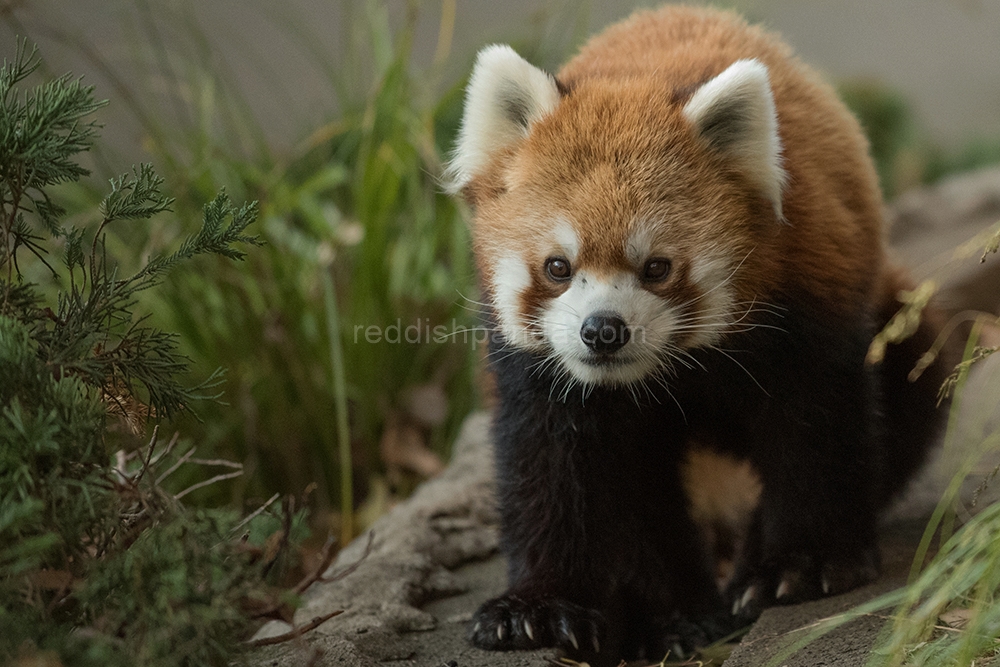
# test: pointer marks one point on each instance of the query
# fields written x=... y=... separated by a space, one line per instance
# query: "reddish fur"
x=594 y=516
x=628 y=86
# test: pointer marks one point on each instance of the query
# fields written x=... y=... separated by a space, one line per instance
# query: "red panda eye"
x=558 y=269
x=656 y=269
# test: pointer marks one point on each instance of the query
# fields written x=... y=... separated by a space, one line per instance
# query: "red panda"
x=681 y=245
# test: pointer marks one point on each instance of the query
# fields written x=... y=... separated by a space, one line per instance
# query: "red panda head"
x=619 y=223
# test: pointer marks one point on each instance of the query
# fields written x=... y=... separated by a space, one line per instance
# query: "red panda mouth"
x=607 y=360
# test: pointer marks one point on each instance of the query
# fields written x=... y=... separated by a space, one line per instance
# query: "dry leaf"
x=273 y=544
x=130 y=411
x=36 y=658
x=52 y=580
x=403 y=446
x=428 y=404
x=956 y=618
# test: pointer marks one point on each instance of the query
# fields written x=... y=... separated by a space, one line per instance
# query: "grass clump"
x=948 y=615
x=356 y=207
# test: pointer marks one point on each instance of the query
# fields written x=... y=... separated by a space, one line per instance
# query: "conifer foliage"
x=100 y=564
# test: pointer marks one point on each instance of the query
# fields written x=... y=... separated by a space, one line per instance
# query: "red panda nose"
x=604 y=333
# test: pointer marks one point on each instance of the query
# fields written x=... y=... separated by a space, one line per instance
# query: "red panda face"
x=606 y=270
x=612 y=325
x=612 y=235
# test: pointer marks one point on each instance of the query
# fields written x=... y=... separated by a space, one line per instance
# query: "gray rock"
x=928 y=226
x=939 y=232
x=432 y=560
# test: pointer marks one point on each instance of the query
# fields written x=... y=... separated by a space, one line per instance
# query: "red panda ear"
x=735 y=113
x=505 y=95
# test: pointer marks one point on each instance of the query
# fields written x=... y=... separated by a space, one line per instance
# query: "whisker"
x=477 y=303
x=726 y=280
x=726 y=354
x=478 y=311
x=662 y=381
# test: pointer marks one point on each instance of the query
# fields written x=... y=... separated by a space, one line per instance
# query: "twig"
x=307 y=581
x=317 y=573
x=177 y=464
x=294 y=632
x=257 y=512
x=166 y=452
x=217 y=478
x=356 y=564
x=149 y=455
x=217 y=462
x=120 y=460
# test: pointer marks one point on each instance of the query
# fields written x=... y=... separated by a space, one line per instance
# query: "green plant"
x=889 y=126
x=974 y=154
x=904 y=157
x=358 y=202
x=101 y=563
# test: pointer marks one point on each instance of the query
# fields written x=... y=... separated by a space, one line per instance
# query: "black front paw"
x=511 y=622
x=797 y=577
x=680 y=637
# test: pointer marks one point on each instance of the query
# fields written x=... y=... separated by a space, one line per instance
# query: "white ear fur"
x=505 y=95
x=735 y=113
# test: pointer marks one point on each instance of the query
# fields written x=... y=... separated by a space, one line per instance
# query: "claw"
x=783 y=589
x=476 y=627
x=572 y=640
x=597 y=644
x=528 y=630
x=748 y=595
x=826 y=586
x=736 y=607
x=501 y=632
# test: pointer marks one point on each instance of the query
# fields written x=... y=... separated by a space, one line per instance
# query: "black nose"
x=604 y=333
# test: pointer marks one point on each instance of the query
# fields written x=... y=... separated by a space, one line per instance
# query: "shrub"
x=100 y=562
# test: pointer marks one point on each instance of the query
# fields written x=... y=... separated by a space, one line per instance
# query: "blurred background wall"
x=942 y=56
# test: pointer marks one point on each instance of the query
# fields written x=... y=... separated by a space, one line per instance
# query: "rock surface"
x=431 y=562
x=929 y=229
x=433 y=559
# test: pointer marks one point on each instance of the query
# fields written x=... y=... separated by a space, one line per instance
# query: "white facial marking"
x=715 y=305
x=566 y=239
x=649 y=318
x=639 y=245
x=510 y=278
x=660 y=329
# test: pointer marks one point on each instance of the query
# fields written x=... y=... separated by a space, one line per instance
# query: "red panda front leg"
x=818 y=448
x=559 y=577
x=768 y=574
x=602 y=552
